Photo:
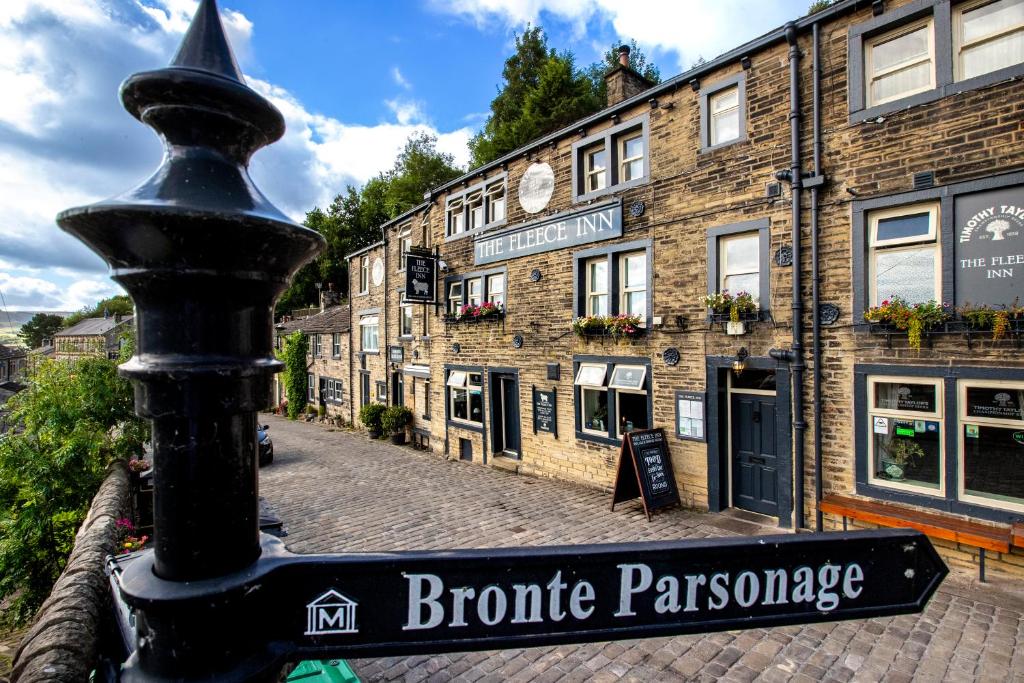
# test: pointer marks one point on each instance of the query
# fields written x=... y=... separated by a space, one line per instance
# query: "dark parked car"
x=266 y=446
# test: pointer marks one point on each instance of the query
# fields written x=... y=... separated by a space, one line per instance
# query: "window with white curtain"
x=987 y=36
x=900 y=63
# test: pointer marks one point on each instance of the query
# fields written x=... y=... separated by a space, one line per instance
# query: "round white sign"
x=536 y=187
x=377 y=272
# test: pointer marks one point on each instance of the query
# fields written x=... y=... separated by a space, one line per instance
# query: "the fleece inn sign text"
x=990 y=247
x=592 y=224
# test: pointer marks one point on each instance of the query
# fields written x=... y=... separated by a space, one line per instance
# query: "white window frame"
x=455 y=302
x=714 y=116
x=364 y=274
x=366 y=322
x=912 y=243
x=869 y=47
x=596 y=177
x=958 y=36
x=618 y=404
x=624 y=290
x=336 y=344
x=500 y=299
x=961 y=418
x=473 y=299
x=583 y=401
x=475 y=216
x=723 y=262
x=311 y=387
x=579 y=381
x=405 y=316
x=625 y=161
x=938 y=415
x=318 y=346
x=404 y=245
x=619 y=387
x=495 y=196
x=592 y=293
x=382 y=392
x=459 y=381
x=455 y=223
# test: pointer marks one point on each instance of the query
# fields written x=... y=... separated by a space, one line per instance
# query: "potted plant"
x=917 y=320
x=590 y=325
x=719 y=303
x=624 y=326
x=898 y=455
x=984 y=317
x=370 y=415
x=393 y=422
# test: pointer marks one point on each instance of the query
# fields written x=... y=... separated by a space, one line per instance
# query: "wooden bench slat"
x=985 y=536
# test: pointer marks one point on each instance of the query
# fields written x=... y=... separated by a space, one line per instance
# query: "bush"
x=371 y=414
x=394 y=419
x=296 y=346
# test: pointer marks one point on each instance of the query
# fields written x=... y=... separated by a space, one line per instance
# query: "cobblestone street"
x=338 y=491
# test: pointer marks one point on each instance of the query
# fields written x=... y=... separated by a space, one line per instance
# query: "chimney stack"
x=622 y=82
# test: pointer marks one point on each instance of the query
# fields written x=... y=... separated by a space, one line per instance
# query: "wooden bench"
x=997 y=538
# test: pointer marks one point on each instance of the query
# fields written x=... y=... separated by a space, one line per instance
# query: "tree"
x=542 y=91
x=119 y=304
x=41 y=326
x=73 y=420
x=294 y=377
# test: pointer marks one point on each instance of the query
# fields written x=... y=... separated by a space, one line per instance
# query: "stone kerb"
x=62 y=644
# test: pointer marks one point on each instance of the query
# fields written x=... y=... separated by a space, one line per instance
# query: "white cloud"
x=399 y=79
x=687 y=28
x=65 y=140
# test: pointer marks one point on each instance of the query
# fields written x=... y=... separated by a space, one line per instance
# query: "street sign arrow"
x=319 y=606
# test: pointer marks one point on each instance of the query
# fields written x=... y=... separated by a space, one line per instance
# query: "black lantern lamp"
x=740 y=364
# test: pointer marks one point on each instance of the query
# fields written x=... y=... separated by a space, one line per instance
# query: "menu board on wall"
x=989 y=246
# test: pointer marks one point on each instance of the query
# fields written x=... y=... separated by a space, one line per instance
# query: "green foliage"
x=543 y=91
x=371 y=415
x=394 y=419
x=819 y=5
x=40 y=326
x=296 y=346
x=121 y=303
x=74 y=419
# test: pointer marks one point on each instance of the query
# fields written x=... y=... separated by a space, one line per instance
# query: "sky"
x=353 y=79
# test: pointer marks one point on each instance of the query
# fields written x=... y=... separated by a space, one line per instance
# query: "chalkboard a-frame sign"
x=645 y=471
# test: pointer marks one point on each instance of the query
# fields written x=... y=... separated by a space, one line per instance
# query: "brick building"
x=92 y=337
x=13 y=363
x=907 y=179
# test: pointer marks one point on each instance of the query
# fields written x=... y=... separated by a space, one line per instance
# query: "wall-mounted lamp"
x=740 y=364
x=745 y=61
x=694 y=84
x=653 y=102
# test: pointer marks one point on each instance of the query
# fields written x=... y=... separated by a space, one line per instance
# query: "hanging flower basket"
x=471 y=313
x=620 y=326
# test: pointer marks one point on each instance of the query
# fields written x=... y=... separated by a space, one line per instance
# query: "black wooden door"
x=754 y=456
x=510 y=414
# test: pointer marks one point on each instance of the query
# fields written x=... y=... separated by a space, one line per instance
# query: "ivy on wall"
x=296 y=347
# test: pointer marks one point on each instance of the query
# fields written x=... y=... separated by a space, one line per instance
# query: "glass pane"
x=476 y=405
x=496 y=284
x=633 y=147
x=457 y=378
x=597 y=305
x=474 y=287
x=636 y=270
x=595 y=410
x=996 y=403
x=991 y=18
x=635 y=303
x=995 y=54
x=476 y=216
x=906 y=451
x=598 y=276
x=909 y=273
x=725 y=127
x=592 y=375
x=741 y=254
x=994 y=462
x=460 y=404
x=628 y=377
x=632 y=170
x=497 y=209
x=903 y=82
x=900 y=49
x=725 y=100
x=912 y=225
x=751 y=284
x=596 y=160
x=919 y=398
x=632 y=412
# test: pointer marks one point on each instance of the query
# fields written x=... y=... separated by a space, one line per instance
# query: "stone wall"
x=62 y=644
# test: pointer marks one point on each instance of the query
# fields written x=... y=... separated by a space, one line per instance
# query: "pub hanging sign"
x=990 y=247
x=420 y=278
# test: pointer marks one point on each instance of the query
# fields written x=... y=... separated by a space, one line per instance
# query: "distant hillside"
x=9 y=327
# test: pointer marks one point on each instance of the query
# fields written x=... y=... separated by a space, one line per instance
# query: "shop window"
x=905 y=257
x=611 y=160
x=336 y=345
x=740 y=264
x=364 y=274
x=404 y=245
x=465 y=396
x=612 y=398
x=723 y=113
x=987 y=36
x=405 y=321
x=900 y=63
x=369 y=333
x=496 y=289
x=905 y=423
x=991 y=441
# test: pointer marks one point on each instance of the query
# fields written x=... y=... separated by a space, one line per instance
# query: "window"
x=987 y=36
x=369 y=328
x=475 y=203
x=426 y=400
x=456 y=218
x=900 y=63
x=404 y=245
x=612 y=159
x=473 y=293
x=405 y=322
x=465 y=396
x=725 y=116
x=454 y=297
x=597 y=286
x=336 y=345
x=335 y=392
x=496 y=289
x=621 y=388
x=495 y=195
x=740 y=264
x=633 y=286
x=311 y=388
x=382 y=392
x=905 y=441
x=991 y=441
x=318 y=348
x=364 y=274
x=905 y=257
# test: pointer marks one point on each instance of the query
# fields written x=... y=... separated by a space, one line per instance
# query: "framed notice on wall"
x=690 y=416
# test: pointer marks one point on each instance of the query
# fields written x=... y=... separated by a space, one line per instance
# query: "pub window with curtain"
x=987 y=36
x=369 y=329
x=905 y=259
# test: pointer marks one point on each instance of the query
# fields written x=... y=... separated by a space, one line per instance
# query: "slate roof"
x=93 y=326
x=332 y=319
x=7 y=352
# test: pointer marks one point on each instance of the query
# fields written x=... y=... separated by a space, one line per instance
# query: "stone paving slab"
x=338 y=491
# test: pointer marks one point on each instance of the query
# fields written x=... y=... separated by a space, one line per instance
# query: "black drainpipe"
x=815 y=276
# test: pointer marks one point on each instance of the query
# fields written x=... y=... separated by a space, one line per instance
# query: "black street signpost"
x=234 y=605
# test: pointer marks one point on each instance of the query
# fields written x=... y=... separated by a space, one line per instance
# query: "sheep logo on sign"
x=419 y=287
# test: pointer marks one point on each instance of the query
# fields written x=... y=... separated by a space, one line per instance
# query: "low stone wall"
x=62 y=644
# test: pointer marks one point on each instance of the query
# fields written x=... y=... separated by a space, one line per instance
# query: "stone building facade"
x=327 y=371
x=92 y=337
x=908 y=180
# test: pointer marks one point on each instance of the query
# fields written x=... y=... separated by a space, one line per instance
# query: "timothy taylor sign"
x=593 y=224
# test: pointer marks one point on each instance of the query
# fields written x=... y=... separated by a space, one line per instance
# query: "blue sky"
x=354 y=79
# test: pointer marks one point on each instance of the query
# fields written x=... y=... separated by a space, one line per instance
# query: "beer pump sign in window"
x=990 y=247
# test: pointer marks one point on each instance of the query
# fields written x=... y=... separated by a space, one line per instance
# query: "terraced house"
x=802 y=259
